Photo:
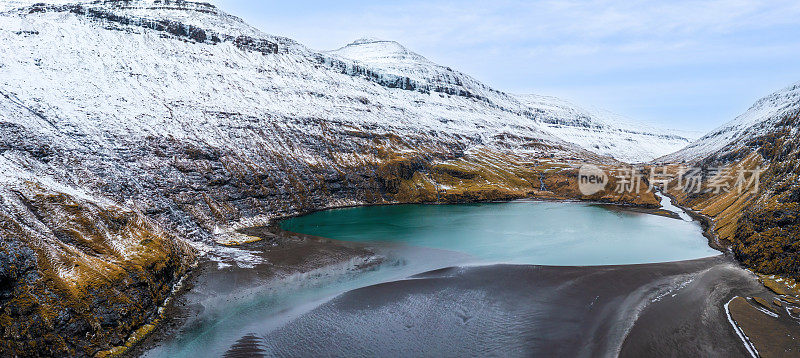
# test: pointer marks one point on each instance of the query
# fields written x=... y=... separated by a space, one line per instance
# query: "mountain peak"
x=384 y=54
x=369 y=49
x=366 y=40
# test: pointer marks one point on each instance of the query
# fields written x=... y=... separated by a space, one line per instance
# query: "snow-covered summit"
x=390 y=58
x=596 y=130
x=386 y=54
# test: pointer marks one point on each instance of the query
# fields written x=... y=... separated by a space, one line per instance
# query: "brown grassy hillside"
x=761 y=228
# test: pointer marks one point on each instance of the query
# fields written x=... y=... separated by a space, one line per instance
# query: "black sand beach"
x=654 y=310
x=669 y=309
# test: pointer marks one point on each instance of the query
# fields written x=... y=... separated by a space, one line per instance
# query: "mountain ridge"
x=629 y=141
x=139 y=135
x=759 y=118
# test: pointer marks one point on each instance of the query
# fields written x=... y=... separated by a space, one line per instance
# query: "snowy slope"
x=597 y=131
x=604 y=132
x=164 y=104
x=161 y=82
x=201 y=120
x=131 y=130
x=758 y=120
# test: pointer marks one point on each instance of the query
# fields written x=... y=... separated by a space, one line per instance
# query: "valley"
x=146 y=145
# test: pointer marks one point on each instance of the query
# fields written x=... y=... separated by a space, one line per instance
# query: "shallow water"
x=666 y=204
x=521 y=232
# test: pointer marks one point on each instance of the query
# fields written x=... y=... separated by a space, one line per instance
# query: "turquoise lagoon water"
x=522 y=232
x=420 y=238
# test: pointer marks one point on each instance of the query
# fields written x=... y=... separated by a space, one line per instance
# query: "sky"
x=690 y=65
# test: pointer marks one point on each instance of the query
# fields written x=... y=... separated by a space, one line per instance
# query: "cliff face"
x=78 y=274
x=768 y=235
x=138 y=135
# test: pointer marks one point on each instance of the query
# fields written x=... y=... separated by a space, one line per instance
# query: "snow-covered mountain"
x=394 y=58
x=134 y=134
x=604 y=132
x=129 y=129
x=760 y=119
x=599 y=131
x=116 y=83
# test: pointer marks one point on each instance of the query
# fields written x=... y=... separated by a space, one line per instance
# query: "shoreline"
x=294 y=254
x=708 y=224
x=139 y=335
x=275 y=236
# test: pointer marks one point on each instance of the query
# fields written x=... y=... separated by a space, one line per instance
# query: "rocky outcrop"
x=79 y=275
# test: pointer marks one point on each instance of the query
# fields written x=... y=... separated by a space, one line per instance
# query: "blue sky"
x=678 y=64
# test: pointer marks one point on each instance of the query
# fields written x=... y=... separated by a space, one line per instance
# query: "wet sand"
x=669 y=309
x=635 y=209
